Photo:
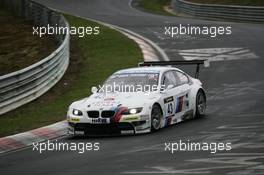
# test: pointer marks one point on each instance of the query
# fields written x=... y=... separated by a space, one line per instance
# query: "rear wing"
x=182 y=62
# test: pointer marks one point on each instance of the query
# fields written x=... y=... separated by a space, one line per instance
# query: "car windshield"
x=131 y=82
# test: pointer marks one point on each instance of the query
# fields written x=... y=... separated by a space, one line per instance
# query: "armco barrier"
x=25 y=85
x=225 y=12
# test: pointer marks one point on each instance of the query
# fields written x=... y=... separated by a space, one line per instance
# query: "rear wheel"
x=156 y=115
x=200 y=104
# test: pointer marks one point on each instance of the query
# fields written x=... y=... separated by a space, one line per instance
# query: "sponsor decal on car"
x=104 y=103
x=127 y=131
x=169 y=106
x=168 y=99
x=168 y=121
x=119 y=112
x=130 y=118
x=109 y=99
x=74 y=119
x=144 y=117
x=99 y=121
x=79 y=132
x=179 y=104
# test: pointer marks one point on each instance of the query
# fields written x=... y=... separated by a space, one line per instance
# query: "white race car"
x=138 y=100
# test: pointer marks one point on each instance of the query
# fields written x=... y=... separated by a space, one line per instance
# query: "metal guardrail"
x=225 y=12
x=22 y=86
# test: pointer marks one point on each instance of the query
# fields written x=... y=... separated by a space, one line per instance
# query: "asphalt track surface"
x=235 y=91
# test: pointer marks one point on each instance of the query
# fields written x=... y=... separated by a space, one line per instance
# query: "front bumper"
x=120 y=128
x=117 y=124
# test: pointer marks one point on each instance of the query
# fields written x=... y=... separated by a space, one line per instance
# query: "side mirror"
x=163 y=89
x=170 y=86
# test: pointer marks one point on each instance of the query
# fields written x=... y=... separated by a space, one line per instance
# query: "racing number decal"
x=169 y=106
x=180 y=104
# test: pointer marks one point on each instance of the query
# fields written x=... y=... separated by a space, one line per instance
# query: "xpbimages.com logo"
x=127 y=88
x=212 y=31
x=212 y=147
x=80 y=147
x=59 y=30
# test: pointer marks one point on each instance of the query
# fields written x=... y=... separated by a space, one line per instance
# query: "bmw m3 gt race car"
x=138 y=100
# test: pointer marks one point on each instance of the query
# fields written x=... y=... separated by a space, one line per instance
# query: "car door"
x=170 y=95
x=183 y=91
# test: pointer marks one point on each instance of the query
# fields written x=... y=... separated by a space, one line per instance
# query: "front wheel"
x=156 y=115
x=200 y=104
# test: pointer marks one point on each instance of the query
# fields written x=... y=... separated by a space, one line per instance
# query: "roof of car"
x=150 y=69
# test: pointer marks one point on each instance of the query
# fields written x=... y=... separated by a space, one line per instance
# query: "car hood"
x=102 y=101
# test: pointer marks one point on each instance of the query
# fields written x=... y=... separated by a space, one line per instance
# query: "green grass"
x=232 y=2
x=93 y=59
x=18 y=47
x=154 y=6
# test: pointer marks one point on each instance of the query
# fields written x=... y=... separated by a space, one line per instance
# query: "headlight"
x=77 y=112
x=132 y=111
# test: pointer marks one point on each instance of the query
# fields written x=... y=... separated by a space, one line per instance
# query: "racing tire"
x=156 y=116
x=200 y=104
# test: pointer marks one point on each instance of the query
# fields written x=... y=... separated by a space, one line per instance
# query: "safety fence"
x=225 y=12
x=22 y=86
